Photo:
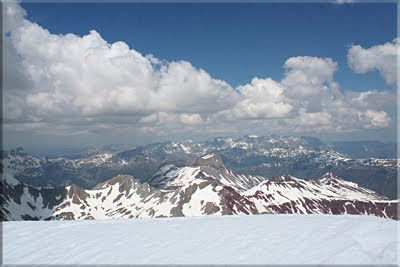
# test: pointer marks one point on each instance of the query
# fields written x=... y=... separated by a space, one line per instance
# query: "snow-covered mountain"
x=19 y=163
x=209 y=165
x=327 y=195
x=267 y=156
x=125 y=197
x=203 y=187
x=85 y=172
x=24 y=202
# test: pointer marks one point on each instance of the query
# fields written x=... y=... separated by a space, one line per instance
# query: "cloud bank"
x=73 y=84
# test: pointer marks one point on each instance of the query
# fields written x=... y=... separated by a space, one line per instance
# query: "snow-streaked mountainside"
x=327 y=195
x=204 y=187
x=267 y=156
x=262 y=239
x=210 y=165
x=18 y=163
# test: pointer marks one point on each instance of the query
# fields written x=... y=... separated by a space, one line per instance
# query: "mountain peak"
x=19 y=151
x=336 y=181
x=330 y=178
x=76 y=193
x=209 y=160
x=283 y=178
x=121 y=179
x=331 y=175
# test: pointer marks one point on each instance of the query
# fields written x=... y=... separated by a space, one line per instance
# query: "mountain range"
x=271 y=156
x=204 y=186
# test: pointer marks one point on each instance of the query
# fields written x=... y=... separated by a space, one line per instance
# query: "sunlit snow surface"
x=258 y=239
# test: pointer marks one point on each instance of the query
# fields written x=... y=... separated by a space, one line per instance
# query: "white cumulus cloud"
x=379 y=57
x=77 y=84
x=261 y=99
x=69 y=75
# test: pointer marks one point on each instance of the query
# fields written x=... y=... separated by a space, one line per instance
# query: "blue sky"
x=233 y=42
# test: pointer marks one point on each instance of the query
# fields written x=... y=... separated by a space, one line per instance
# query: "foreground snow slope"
x=273 y=239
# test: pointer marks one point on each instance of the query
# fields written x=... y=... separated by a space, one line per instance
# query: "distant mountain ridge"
x=206 y=187
x=366 y=149
x=266 y=156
